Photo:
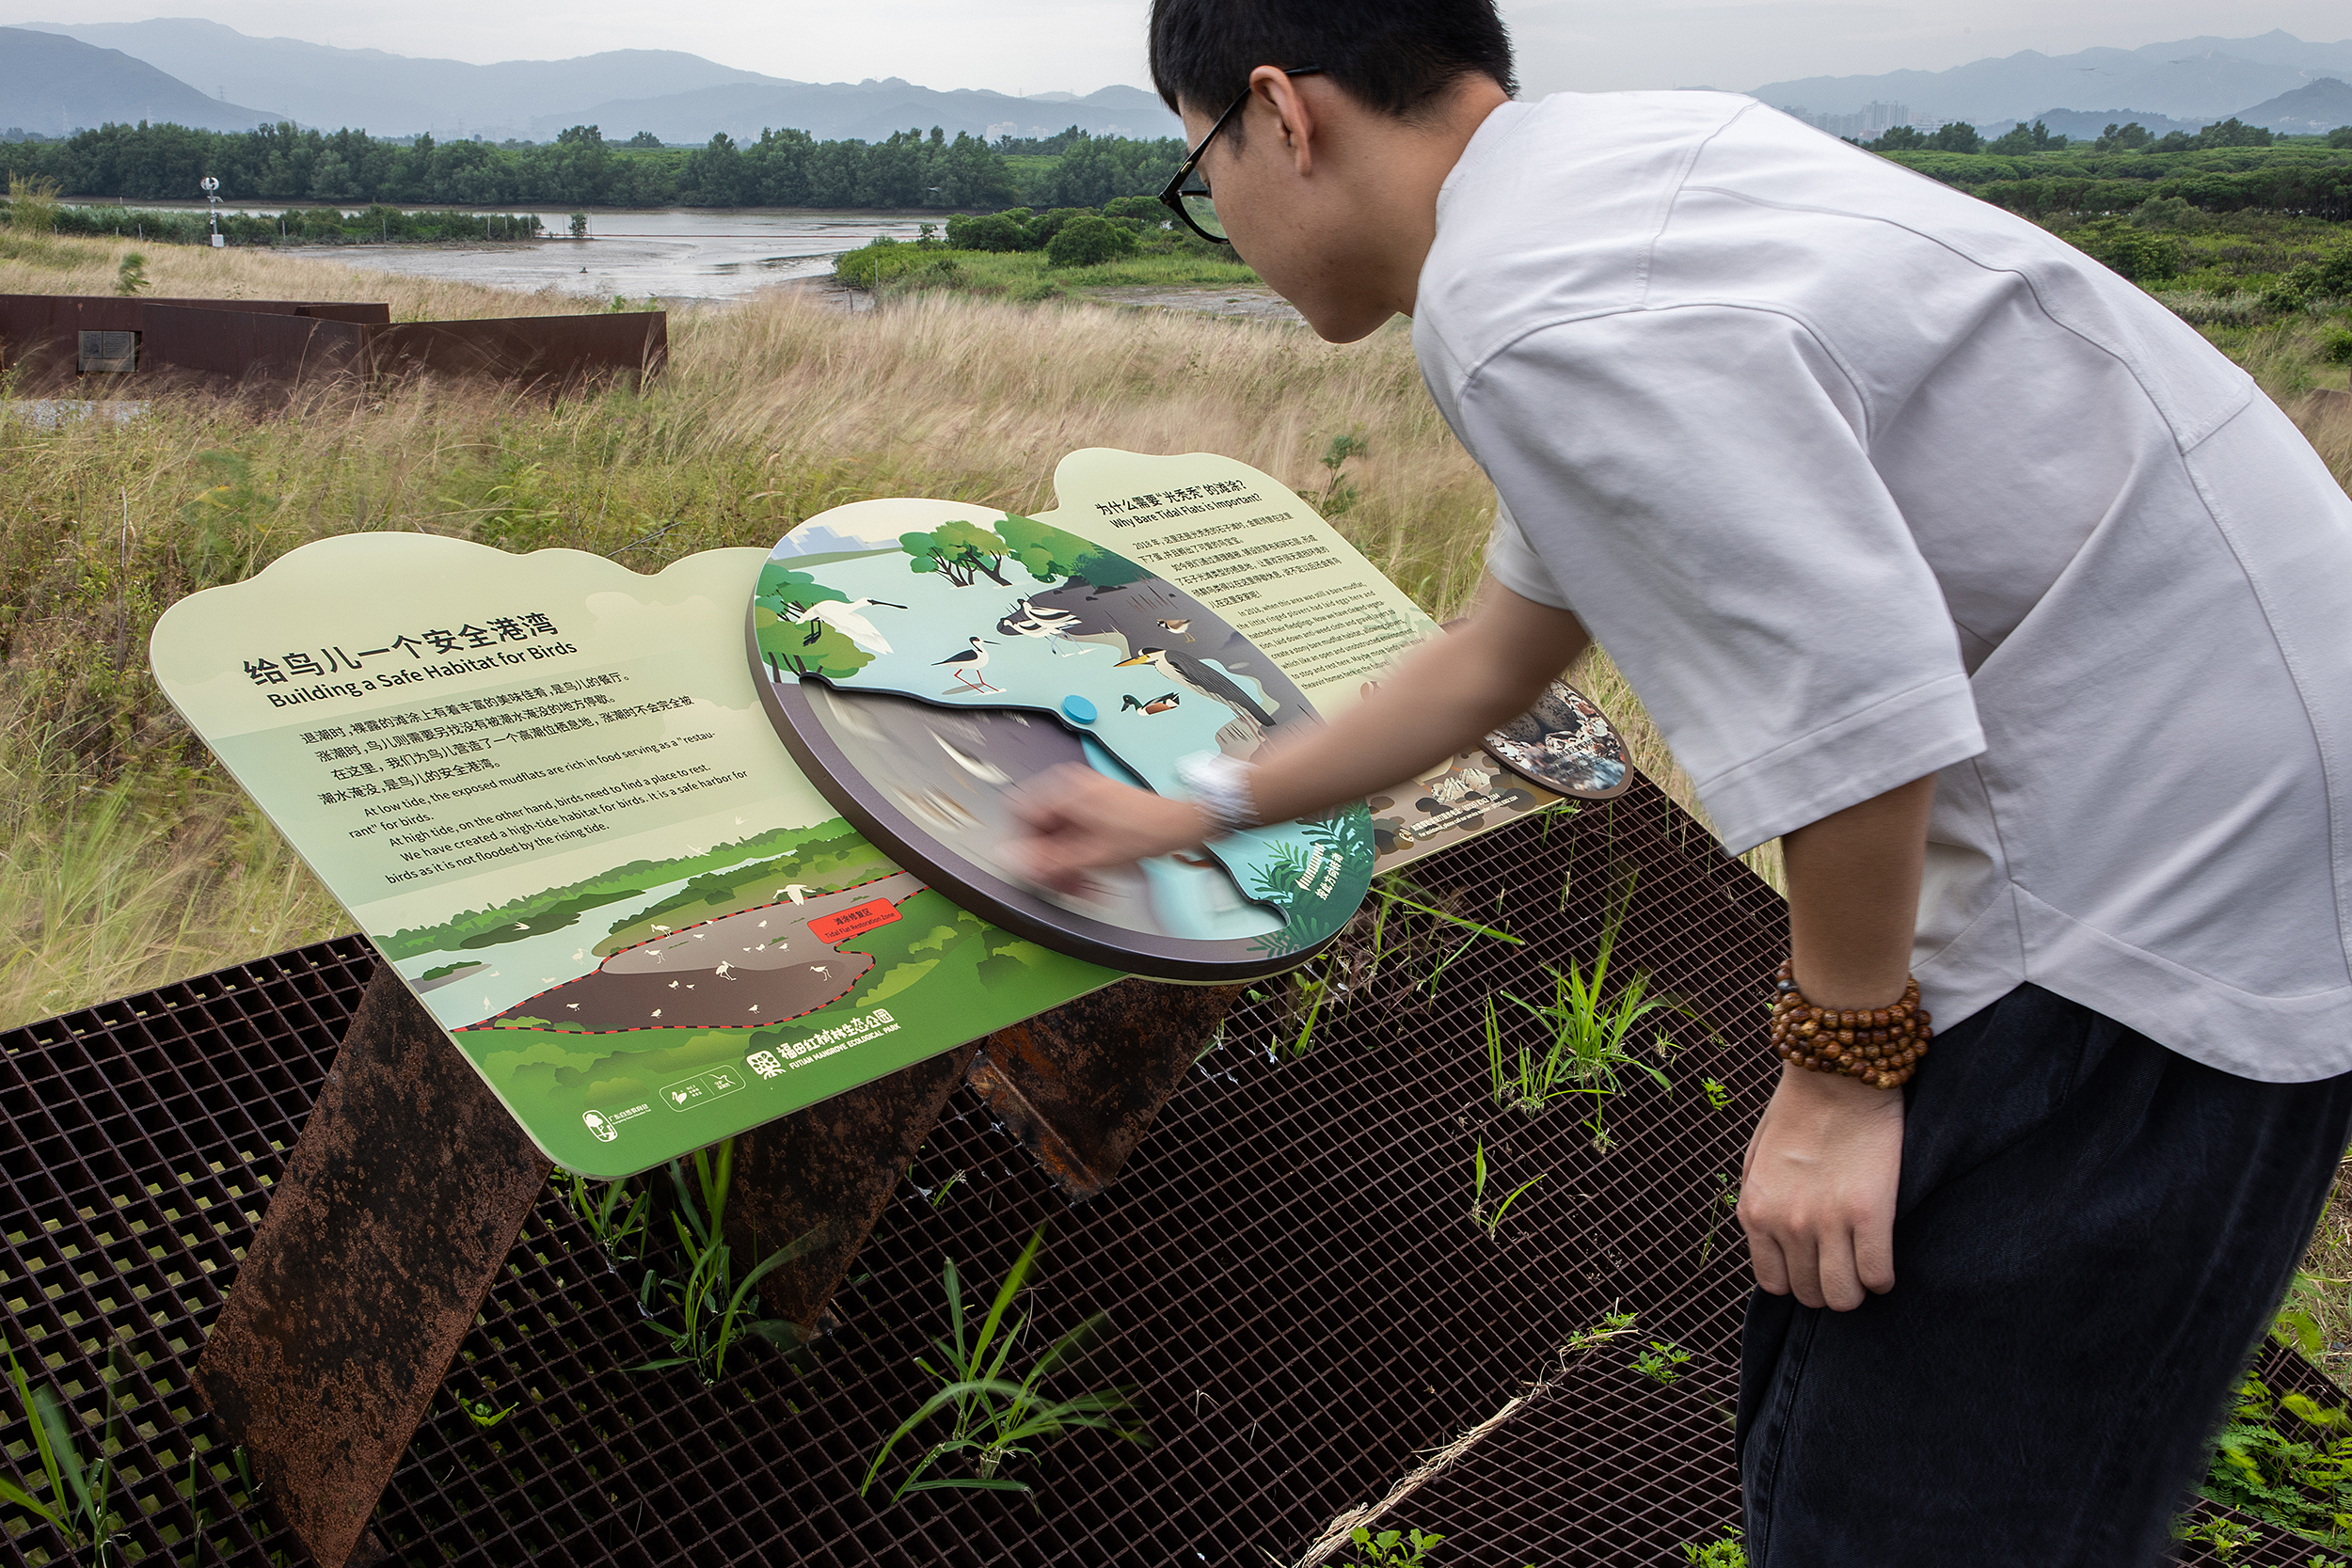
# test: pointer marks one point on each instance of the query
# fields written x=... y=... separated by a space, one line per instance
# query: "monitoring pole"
x=211 y=196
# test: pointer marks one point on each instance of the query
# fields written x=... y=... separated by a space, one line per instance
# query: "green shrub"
x=990 y=232
x=1090 y=240
x=2142 y=257
x=2335 y=345
x=2164 y=211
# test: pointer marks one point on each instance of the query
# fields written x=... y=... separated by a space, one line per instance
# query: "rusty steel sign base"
x=828 y=1170
x=399 y=1204
x=1080 y=1085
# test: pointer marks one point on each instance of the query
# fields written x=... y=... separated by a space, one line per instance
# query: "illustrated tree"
x=958 y=551
x=787 y=640
x=806 y=648
x=1048 y=552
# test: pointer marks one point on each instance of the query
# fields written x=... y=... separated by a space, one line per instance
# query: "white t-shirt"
x=1858 y=478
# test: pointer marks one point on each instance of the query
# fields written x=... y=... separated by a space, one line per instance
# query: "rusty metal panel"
x=401 y=1200
x=556 y=351
x=1080 y=1085
x=251 y=343
x=39 y=333
x=109 y=353
x=833 y=1166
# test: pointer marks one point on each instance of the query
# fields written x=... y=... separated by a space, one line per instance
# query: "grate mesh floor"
x=1300 y=1298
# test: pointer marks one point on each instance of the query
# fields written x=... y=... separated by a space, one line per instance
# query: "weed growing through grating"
x=1383 y=951
x=994 y=1415
x=2286 y=1461
x=2220 y=1535
x=1662 y=1363
x=615 y=1212
x=709 y=1300
x=1589 y=1028
x=1390 y=1548
x=1613 y=1324
x=1491 y=1223
x=1726 y=1553
x=81 y=1506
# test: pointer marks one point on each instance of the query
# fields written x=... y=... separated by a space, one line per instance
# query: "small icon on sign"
x=604 y=1130
x=683 y=1094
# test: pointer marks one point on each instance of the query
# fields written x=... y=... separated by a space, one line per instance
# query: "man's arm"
x=1816 y=1191
x=1443 y=699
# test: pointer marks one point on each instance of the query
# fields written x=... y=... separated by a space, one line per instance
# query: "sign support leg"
x=398 y=1206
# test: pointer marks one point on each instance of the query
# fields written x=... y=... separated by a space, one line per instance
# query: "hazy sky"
x=1077 y=45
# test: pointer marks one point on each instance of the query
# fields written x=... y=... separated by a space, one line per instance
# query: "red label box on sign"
x=849 y=923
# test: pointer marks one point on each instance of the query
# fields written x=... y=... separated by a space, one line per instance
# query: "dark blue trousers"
x=2090 y=1237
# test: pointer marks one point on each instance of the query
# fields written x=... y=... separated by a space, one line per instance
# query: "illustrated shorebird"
x=970 y=664
x=1182 y=626
x=845 y=619
x=1200 y=677
x=1157 y=704
x=1048 y=617
x=1048 y=625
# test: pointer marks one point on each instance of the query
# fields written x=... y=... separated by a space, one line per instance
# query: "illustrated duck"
x=1200 y=677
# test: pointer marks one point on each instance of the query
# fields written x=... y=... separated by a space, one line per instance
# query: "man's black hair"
x=1392 y=55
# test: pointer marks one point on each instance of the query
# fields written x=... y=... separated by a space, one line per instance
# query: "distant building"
x=1874 y=121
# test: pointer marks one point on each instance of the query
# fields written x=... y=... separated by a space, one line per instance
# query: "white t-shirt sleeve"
x=1512 y=561
x=1697 y=483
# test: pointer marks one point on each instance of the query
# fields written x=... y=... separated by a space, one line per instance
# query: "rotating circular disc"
x=1565 y=744
x=918 y=700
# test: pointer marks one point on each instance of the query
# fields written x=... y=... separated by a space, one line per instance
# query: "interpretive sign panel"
x=545 y=787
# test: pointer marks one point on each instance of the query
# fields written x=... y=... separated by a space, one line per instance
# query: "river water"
x=673 y=255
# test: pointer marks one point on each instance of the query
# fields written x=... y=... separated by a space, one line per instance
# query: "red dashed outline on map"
x=486 y=1027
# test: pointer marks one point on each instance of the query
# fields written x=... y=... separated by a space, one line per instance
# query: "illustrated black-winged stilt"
x=970 y=664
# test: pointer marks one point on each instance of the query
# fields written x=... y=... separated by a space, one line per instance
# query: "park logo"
x=607 y=1127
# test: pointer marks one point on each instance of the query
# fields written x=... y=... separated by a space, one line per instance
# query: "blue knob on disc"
x=1078 y=710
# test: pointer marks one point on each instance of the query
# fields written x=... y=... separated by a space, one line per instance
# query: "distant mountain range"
x=46 y=82
x=870 y=111
x=677 y=95
x=57 y=77
x=2198 y=80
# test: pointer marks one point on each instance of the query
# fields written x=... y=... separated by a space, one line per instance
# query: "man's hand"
x=1816 y=1190
x=1441 y=699
x=1079 y=820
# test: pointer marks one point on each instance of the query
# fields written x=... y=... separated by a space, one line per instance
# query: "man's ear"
x=1291 y=115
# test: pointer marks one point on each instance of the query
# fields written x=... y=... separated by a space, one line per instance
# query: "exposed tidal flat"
x=671 y=256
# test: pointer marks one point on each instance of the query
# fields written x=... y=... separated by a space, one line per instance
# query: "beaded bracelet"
x=1881 y=1046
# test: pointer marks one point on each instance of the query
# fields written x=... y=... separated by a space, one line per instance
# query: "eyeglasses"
x=1197 y=208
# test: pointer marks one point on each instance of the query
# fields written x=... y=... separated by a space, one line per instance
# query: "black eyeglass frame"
x=1172 y=194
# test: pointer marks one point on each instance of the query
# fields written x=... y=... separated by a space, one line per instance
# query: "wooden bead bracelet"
x=1881 y=1046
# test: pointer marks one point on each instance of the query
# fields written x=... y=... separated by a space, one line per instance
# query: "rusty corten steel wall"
x=560 y=350
x=1298 y=1296
x=241 y=344
x=291 y=340
x=40 y=332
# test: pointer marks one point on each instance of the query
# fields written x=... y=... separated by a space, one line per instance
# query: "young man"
x=1954 y=560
